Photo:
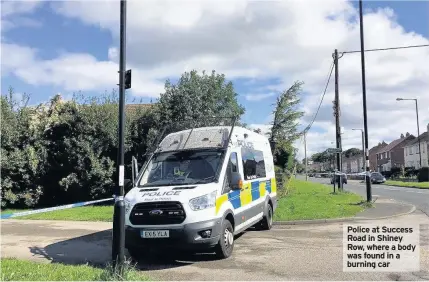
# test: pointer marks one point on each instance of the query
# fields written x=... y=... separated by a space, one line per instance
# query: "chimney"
x=428 y=128
x=408 y=134
x=402 y=135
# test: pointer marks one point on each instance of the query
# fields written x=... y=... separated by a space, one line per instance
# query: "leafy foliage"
x=284 y=130
x=66 y=151
x=22 y=152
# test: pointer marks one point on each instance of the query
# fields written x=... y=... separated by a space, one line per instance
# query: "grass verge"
x=89 y=213
x=22 y=270
x=421 y=185
x=309 y=200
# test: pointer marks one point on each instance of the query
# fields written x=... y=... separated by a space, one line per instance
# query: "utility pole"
x=418 y=134
x=418 y=128
x=365 y=120
x=305 y=154
x=363 y=150
x=337 y=117
x=118 y=240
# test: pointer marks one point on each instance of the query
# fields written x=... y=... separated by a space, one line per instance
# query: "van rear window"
x=253 y=163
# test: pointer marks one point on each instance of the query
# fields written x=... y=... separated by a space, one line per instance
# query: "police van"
x=201 y=187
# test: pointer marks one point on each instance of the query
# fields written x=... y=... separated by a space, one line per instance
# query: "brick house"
x=372 y=156
x=393 y=155
x=411 y=151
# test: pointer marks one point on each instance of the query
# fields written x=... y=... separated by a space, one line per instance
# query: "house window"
x=406 y=152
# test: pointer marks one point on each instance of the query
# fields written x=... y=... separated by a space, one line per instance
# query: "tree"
x=286 y=115
x=352 y=152
x=22 y=152
x=198 y=98
x=284 y=130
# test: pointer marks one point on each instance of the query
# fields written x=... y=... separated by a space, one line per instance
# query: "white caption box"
x=381 y=248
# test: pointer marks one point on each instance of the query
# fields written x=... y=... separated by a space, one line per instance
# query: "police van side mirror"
x=236 y=181
x=134 y=170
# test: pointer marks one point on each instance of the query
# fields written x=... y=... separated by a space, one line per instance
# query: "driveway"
x=306 y=252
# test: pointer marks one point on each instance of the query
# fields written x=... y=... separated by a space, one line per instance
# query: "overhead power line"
x=321 y=100
x=385 y=49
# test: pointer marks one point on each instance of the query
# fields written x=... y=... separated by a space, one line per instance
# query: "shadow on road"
x=95 y=250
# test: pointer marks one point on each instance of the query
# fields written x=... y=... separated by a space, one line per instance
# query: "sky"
x=50 y=47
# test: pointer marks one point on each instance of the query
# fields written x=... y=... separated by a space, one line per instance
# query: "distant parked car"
x=377 y=177
x=344 y=177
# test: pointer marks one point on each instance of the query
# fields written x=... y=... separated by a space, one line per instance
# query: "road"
x=417 y=197
x=305 y=252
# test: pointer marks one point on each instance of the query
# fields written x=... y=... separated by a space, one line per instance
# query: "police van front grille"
x=157 y=213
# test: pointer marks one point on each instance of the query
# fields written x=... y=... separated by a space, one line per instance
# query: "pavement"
x=295 y=252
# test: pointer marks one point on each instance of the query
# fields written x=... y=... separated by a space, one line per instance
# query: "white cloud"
x=12 y=14
x=259 y=97
x=286 y=40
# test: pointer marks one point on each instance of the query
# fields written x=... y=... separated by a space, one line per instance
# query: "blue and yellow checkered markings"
x=252 y=191
x=268 y=187
x=255 y=193
x=234 y=198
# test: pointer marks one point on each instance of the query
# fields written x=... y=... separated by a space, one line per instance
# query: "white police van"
x=200 y=188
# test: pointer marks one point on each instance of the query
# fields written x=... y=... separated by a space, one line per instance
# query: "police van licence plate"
x=155 y=233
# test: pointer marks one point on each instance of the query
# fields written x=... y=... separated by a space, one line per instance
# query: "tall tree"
x=198 y=98
x=286 y=115
x=284 y=130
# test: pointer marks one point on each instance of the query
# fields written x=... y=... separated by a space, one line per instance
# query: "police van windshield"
x=182 y=167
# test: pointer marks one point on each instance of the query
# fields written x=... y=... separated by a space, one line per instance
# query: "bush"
x=423 y=175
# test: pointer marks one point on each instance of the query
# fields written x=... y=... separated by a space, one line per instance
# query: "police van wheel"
x=226 y=242
x=267 y=220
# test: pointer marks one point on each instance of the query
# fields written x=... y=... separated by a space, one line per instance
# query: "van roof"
x=207 y=137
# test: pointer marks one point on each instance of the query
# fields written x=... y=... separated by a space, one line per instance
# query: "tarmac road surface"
x=417 y=197
x=299 y=252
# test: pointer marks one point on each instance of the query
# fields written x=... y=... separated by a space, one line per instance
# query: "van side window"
x=253 y=163
x=232 y=167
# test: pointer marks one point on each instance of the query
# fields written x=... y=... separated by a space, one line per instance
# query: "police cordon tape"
x=17 y=214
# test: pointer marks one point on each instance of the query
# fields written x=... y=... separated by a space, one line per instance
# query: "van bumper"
x=186 y=236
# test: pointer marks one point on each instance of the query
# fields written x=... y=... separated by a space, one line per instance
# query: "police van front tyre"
x=267 y=220
x=226 y=242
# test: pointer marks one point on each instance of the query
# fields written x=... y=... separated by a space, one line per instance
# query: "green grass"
x=89 y=213
x=21 y=270
x=309 y=200
x=421 y=185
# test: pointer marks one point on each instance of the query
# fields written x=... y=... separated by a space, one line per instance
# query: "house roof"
x=423 y=137
x=375 y=149
x=394 y=143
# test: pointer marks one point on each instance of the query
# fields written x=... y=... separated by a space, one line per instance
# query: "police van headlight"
x=127 y=206
x=203 y=202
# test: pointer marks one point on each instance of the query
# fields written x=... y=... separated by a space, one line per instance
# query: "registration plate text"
x=155 y=233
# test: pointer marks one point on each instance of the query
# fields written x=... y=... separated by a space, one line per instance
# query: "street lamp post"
x=365 y=119
x=363 y=147
x=418 y=130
